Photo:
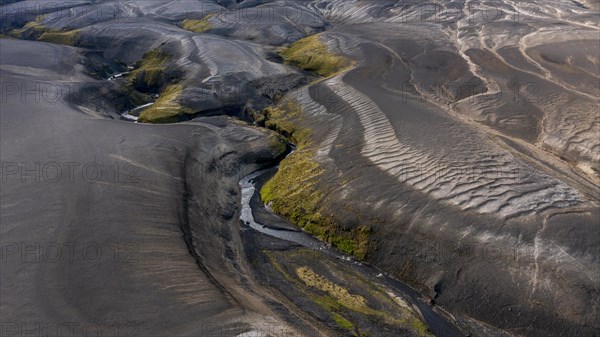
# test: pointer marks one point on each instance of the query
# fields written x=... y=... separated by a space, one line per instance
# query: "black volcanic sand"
x=493 y=227
x=262 y=215
x=102 y=245
x=466 y=138
x=389 y=307
x=278 y=265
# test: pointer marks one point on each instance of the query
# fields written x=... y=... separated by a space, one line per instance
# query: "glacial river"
x=438 y=322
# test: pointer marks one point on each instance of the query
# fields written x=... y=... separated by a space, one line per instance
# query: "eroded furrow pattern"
x=331 y=122
x=498 y=184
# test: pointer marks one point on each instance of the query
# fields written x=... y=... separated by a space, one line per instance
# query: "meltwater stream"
x=128 y=114
x=248 y=190
x=438 y=321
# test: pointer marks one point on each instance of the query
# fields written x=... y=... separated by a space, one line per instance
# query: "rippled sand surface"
x=465 y=136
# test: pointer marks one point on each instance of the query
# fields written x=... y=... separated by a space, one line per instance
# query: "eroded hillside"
x=449 y=145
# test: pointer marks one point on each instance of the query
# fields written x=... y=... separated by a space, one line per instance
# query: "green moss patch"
x=150 y=76
x=420 y=327
x=353 y=302
x=150 y=71
x=341 y=294
x=197 y=26
x=68 y=38
x=31 y=31
x=311 y=54
x=279 y=144
x=166 y=109
x=342 y=322
x=333 y=308
x=280 y=119
x=35 y=30
x=339 y=297
x=293 y=193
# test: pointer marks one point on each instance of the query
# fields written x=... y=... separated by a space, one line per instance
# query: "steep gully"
x=439 y=322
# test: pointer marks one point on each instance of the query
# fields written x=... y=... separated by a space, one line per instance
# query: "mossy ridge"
x=341 y=294
x=35 y=30
x=328 y=303
x=311 y=54
x=68 y=38
x=420 y=327
x=198 y=26
x=166 y=109
x=343 y=322
x=333 y=308
x=150 y=71
x=31 y=31
x=293 y=193
x=279 y=118
x=278 y=143
x=150 y=76
x=338 y=297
